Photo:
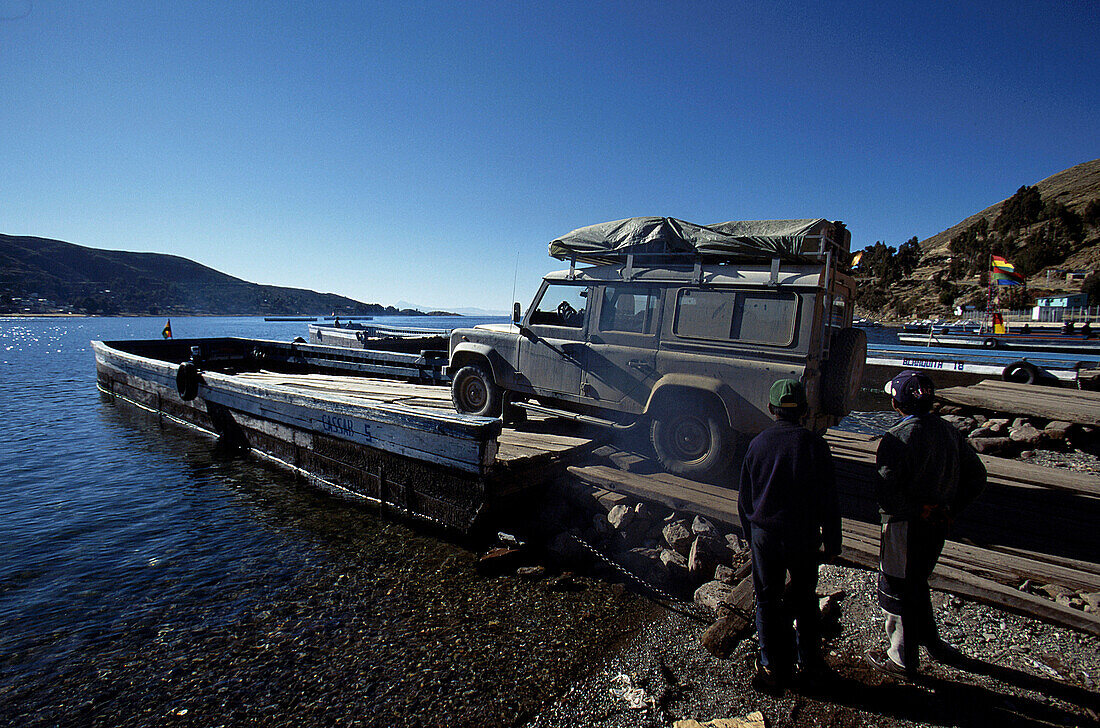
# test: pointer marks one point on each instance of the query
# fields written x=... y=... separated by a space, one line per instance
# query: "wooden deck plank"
x=1067 y=405
x=964 y=569
x=382 y=387
x=1000 y=469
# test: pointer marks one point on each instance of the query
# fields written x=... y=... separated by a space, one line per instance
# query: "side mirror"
x=517 y=313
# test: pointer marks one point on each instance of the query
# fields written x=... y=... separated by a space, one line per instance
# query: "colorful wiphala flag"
x=1003 y=273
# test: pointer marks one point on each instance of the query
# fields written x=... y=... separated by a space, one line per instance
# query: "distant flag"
x=1004 y=273
x=1006 y=278
x=856 y=258
x=167 y=333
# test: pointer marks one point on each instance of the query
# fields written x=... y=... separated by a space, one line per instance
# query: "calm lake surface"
x=148 y=578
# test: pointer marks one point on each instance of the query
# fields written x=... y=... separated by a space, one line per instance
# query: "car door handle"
x=639 y=364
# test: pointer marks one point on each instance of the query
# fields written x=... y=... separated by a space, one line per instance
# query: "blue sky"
x=429 y=151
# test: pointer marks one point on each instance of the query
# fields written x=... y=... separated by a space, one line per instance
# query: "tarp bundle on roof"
x=666 y=236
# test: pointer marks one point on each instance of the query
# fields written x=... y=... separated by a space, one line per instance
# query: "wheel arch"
x=672 y=386
x=471 y=353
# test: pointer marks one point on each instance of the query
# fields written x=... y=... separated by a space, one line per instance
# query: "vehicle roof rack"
x=666 y=240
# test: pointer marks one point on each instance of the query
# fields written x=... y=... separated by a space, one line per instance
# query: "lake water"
x=148 y=578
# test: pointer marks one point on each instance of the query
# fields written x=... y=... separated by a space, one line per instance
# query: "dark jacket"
x=924 y=461
x=787 y=486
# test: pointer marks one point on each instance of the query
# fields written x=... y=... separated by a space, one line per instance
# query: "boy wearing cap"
x=788 y=508
x=927 y=472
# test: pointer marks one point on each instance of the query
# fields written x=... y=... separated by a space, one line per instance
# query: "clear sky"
x=429 y=151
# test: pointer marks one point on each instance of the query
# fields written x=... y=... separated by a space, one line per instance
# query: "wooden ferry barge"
x=351 y=422
x=324 y=413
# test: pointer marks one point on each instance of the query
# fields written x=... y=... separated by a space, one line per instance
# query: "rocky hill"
x=54 y=275
x=1050 y=231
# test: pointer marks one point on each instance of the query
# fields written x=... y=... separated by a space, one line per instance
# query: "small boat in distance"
x=356 y=335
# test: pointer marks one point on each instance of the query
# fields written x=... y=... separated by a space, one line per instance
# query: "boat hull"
x=433 y=466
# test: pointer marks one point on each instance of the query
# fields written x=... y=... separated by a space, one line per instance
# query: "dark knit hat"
x=911 y=387
x=787 y=393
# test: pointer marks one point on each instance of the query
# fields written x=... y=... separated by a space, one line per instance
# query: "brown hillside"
x=1073 y=187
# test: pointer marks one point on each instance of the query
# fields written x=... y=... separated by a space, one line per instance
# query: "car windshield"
x=561 y=305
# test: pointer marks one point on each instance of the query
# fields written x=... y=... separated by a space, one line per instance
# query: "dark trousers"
x=774 y=555
x=910 y=597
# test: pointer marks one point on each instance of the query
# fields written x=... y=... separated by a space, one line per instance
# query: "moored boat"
x=955 y=365
x=315 y=410
x=356 y=335
x=1030 y=342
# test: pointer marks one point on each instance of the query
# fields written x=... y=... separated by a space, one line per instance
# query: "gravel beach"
x=1021 y=672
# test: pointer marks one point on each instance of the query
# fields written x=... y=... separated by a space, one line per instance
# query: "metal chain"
x=690 y=609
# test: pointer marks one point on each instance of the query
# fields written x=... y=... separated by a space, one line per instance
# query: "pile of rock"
x=1010 y=437
x=1085 y=601
x=671 y=551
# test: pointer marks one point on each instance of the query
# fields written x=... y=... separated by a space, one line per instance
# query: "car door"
x=622 y=347
x=551 y=351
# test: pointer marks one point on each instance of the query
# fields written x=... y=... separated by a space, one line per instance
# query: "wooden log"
x=721 y=637
x=955 y=580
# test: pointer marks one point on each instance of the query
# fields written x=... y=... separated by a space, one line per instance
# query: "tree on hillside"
x=909 y=255
x=970 y=250
x=1042 y=248
x=1014 y=298
x=1092 y=213
x=880 y=262
x=1022 y=209
x=1070 y=223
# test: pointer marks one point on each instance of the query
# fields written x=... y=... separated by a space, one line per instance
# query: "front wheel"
x=692 y=441
x=474 y=392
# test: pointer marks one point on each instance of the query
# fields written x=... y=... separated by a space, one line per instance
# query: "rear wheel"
x=693 y=439
x=474 y=392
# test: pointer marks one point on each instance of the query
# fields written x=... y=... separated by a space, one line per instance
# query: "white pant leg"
x=895 y=631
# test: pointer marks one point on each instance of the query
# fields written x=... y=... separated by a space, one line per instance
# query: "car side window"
x=765 y=318
x=630 y=310
x=561 y=305
x=757 y=317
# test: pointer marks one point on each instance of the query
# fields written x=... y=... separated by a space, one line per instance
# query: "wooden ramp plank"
x=999 y=469
x=964 y=569
x=1067 y=405
x=714 y=502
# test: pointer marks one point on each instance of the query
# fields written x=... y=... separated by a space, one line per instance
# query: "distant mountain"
x=1050 y=232
x=1074 y=187
x=458 y=311
x=54 y=275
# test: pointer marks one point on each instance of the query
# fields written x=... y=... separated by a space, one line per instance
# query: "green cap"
x=787 y=393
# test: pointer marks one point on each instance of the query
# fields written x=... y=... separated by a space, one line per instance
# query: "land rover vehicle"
x=680 y=327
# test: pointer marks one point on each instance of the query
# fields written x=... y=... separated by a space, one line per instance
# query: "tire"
x=990 y=343
x=844 y=371
x=187 y=381
x=1021 y=372
x=474 y=392
x=692 y=439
